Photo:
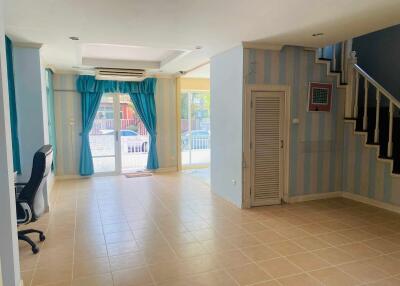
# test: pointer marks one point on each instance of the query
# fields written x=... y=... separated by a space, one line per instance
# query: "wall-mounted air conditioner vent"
x=120 y=74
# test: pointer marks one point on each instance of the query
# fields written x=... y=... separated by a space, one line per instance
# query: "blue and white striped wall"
x=316 y=142
x=363 y=174
x=67 y=105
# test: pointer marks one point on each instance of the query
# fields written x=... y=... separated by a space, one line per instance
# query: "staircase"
x=374 y=112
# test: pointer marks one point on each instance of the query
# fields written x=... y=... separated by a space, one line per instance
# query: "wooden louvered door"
x=267 y=117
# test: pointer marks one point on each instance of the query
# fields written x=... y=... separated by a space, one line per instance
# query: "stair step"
x=362 y=130
x=385 y=157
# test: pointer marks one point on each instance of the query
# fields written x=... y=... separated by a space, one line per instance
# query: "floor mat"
x=138 y=174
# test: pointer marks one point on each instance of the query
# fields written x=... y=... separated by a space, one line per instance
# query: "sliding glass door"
x=195 y=129
x=118 y=139
x=104 y=136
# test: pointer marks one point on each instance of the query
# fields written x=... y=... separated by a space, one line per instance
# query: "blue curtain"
x=142 y=95
x=51 y=115
x=90 y=103
x=146 y=108
x=13 y=107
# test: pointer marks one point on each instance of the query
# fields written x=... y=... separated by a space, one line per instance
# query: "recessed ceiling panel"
x=129 y=53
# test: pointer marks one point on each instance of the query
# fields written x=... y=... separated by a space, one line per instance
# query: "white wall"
x=8 y=236
x=31 y=106
x=68 y=115
x=226 y=124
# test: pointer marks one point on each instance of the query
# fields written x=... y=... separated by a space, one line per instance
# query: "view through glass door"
x=195 y=129
x=118 y=139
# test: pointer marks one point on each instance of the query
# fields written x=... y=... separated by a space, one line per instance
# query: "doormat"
x=138 y=174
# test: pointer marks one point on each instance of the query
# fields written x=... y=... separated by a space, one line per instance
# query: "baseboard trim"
x=165 y=170
x=372 y=202
x=311 y=197
x=68 y=177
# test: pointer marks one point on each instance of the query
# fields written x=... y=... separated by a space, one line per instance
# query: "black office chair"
x=29 y=196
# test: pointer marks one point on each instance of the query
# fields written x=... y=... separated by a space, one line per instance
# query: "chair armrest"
x=24 y=209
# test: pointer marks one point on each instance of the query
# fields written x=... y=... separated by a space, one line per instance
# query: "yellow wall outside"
x=194 y=84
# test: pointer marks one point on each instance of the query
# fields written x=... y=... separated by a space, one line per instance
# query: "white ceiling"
x=202 y=71
x=215 y=25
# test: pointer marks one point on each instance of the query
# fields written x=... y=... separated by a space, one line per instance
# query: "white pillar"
x=9 y=254
x=31 y=101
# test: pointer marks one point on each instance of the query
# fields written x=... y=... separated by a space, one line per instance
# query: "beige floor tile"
x=311 y=243
x=286 y=248
x=268 y=236
x=279 y=267
x=163 y=272
x=334 y=277
x=248 y=274
x=386 y=264
x=132 y=277
x=96 y=280
x=385 y=282
x=259 y=252
x=215 y=278
x=91 y=266
x=334 y=238
x=292 y=232
x=334 y=255
x=55 y=275
x=362 y=271
x=232 y=258
x=382 y=245
x=133 y=260
x=308 y=261
x=359 y=250
x=244 y=240
x=171 y=230
x=27 y=276
x=299 y=280
x=268 y=283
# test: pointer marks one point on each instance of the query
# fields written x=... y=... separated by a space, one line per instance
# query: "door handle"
x=116 y=135
x=281 y=144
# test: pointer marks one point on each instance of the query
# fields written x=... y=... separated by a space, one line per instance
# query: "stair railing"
x=352 y=98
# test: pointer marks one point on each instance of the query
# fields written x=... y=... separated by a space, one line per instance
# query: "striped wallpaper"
x=363 y=174
x=316 y=141
x=68 y=123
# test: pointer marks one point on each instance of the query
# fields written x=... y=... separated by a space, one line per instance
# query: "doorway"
x=118 y=140
x=266 y=145
x=195 y=129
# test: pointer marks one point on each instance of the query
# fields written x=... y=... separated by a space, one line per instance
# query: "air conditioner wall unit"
x=120 y=74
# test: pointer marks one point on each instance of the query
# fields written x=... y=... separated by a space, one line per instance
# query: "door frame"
x=246 y=163
x=117 y=139
x=179 y=92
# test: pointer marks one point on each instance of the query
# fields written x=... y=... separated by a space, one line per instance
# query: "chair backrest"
x=32 y=193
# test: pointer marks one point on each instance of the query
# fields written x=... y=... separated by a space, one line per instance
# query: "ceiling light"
x=317 y=34
x=74 y=38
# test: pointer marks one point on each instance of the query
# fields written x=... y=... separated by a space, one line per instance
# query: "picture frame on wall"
x=320 y=97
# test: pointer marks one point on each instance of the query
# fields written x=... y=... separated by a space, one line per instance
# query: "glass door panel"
x=195 y=128
x=103 y=136
x=134 y=137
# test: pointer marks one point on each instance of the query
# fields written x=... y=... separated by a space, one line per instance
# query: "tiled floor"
x=202 y=174
x=169 y=230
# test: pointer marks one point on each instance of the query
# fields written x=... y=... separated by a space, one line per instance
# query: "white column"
x=31 y=98
x=9 y=254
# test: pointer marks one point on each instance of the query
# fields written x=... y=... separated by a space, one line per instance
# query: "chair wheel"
x=42 y=237
x=35 y=249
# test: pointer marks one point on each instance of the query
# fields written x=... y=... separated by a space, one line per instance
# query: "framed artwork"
x=320 y=97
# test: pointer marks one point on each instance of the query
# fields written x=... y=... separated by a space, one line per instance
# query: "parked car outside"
x=130 y=140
